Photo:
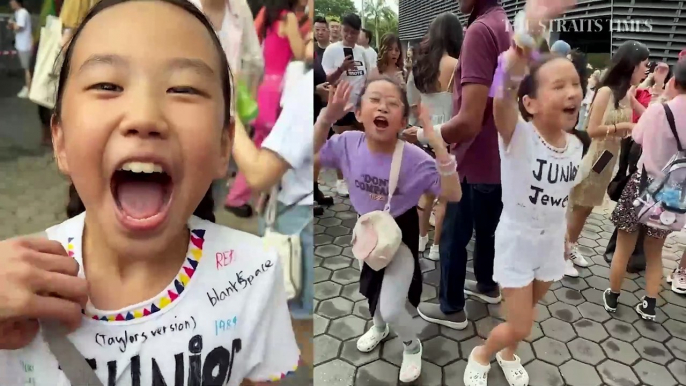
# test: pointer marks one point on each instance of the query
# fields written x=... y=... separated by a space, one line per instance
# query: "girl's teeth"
x=142 y=167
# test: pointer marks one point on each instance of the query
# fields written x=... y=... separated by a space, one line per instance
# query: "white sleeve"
x=22 y=15
x=519 y=143
x=329 y=60
x=292 y=135
x=374 y=56
x=275 y=352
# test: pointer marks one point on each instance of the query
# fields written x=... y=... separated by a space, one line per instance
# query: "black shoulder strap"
x=672 y=125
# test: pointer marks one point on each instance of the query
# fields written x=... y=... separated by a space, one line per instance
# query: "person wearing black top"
x=321 y=31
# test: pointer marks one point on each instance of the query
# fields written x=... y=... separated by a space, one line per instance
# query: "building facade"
x=593 y=26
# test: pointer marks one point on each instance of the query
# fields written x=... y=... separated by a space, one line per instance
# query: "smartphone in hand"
x=602 y=162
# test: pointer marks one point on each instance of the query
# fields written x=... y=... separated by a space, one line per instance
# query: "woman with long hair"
x=282 y=42
x=609 y=120
x=661 y=140
x=430 y=83
x=390 y=60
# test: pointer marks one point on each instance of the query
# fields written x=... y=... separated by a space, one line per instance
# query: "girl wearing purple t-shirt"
x=365 y=160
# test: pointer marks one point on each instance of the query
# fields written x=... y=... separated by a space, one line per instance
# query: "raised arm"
x=596 y=127
x=294 y=37
x=512 y=66
x=451 y=190
x=337 y=106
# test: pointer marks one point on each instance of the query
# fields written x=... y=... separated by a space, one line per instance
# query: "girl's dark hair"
x=618 y=76
x=394 y=81
x=205 y=209
x=274 y=12
x=544 y=47
x=444 y=37
x=385 y=45
x=580 y=62
x=529 y=85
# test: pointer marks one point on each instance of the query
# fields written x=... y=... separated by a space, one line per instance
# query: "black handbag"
x=629 y=155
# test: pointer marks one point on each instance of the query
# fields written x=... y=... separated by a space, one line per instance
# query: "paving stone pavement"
x=574 y=341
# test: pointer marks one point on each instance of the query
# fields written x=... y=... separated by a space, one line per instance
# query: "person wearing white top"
x=291 y=163
x=233 y=23
x=364 y=40
x=345 y=60
x=23 y=41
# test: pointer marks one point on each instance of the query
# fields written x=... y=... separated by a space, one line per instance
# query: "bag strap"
x=272 y=206
x=672 y=126
x=451 y=82
x=72 y=363
x=395 y=172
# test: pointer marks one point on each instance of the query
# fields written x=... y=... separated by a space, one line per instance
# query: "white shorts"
x=524 y=254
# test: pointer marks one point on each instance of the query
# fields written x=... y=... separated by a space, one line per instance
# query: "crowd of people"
x=146 y=121
x=520 y=114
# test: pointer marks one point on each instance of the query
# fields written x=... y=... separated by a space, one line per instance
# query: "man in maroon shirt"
x=472 y=131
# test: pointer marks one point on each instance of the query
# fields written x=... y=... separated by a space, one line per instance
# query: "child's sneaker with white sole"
x=678 y=281
x=514 y=372
x=372 y=338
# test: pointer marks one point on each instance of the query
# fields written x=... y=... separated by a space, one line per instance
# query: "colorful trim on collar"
x=173 y=290
x=277 y=378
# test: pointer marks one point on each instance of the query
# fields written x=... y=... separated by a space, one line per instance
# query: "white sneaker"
x=372 y=338
x=423 y=241
x=515 y=374
x=411 y=368
x=342 y=188
x=475 y=374
x=24 y=93
x=577 y=258
x=678 y=281
x=570 y=270
x=433 y=253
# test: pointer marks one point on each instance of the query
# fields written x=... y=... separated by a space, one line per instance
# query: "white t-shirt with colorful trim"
x=222 y=320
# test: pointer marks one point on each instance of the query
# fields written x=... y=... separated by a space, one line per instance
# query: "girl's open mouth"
x=381 y=122
x=142 y=192
x=570 y=110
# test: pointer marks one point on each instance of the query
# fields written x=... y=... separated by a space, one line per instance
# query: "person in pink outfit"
x=283 y=42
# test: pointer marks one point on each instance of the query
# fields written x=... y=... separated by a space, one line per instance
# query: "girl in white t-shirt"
x=151 y=290
x=539 y=164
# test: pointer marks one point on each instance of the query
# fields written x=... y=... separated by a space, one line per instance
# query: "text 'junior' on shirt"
x=224 y=318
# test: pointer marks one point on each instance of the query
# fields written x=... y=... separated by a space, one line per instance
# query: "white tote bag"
x=46 y=74
x=288 y=247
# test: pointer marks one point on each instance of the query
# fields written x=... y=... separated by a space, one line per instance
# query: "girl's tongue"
x=141 y=195
x=141 y=199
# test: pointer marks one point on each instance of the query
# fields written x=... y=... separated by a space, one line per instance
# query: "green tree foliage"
x=334 y=8
x=380 y=19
